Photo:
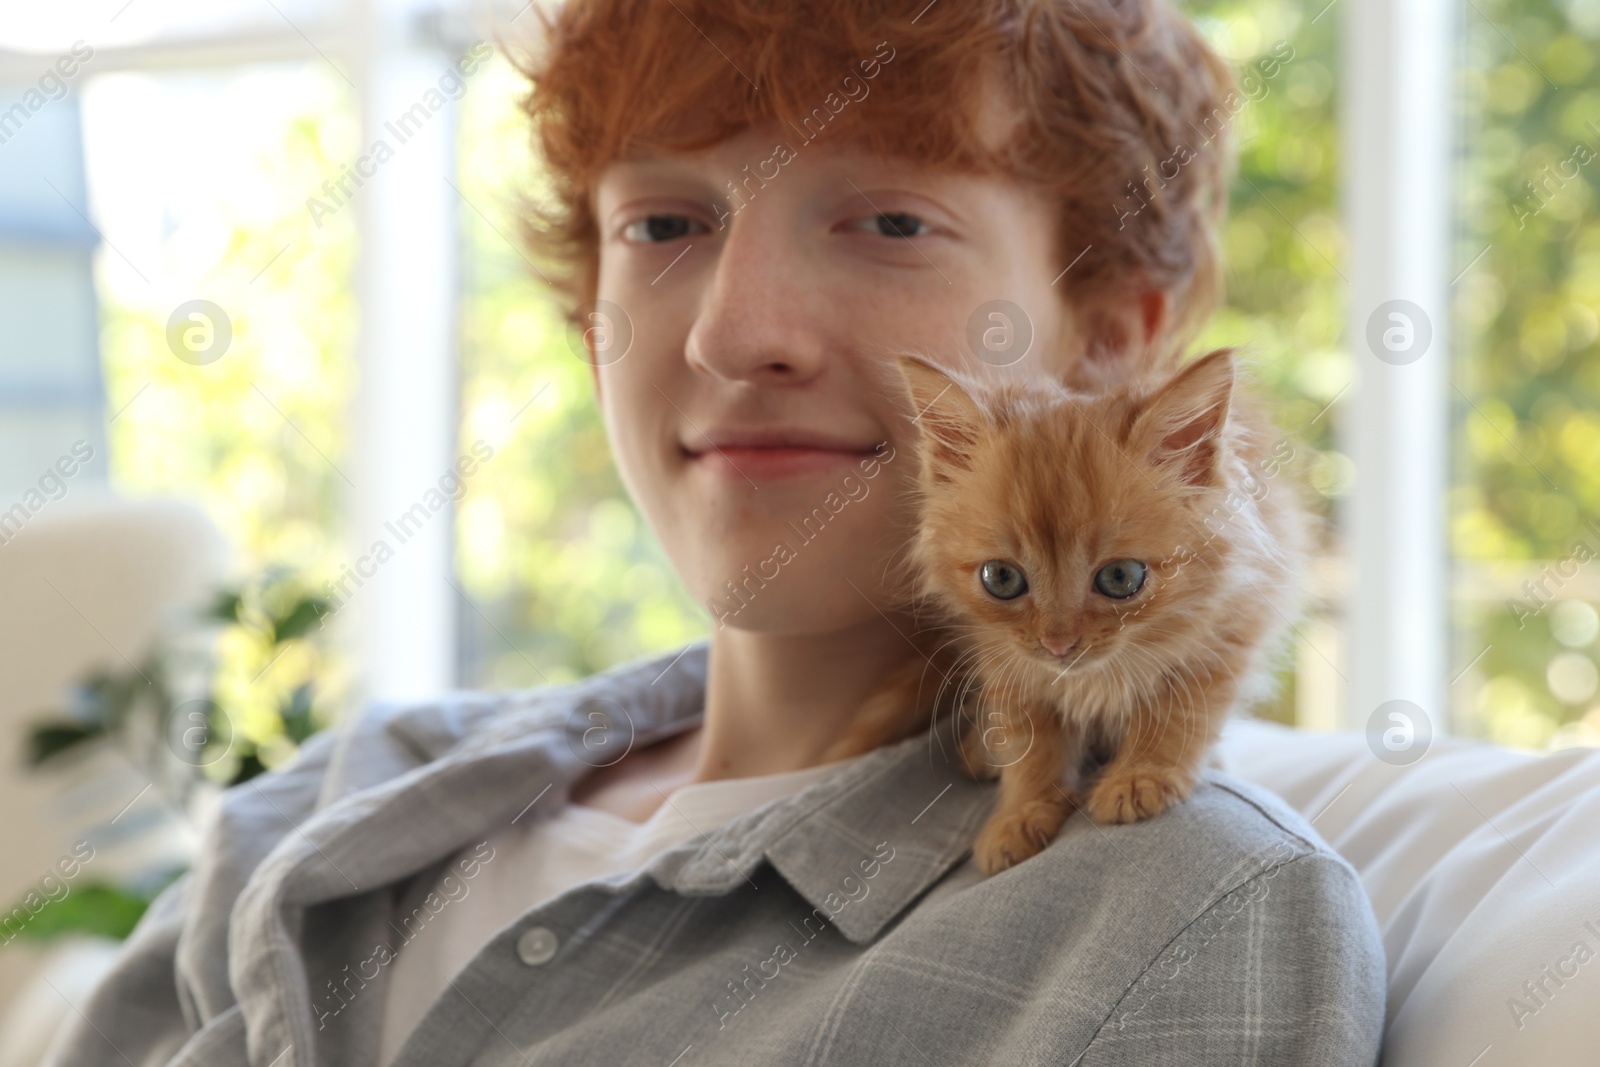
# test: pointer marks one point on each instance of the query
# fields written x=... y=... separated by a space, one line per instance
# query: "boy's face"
x=751 y=415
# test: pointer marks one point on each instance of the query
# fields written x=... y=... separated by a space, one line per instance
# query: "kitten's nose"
x=1058 y=644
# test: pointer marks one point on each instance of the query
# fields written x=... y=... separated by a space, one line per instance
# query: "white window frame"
x=1397 y=117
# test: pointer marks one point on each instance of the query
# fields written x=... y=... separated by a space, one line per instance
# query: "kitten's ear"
x=945 y=413
x=1181 y=422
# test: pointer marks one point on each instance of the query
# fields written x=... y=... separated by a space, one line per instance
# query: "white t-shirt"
x=536 y=859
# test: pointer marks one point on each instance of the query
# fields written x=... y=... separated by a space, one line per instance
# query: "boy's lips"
x=769 y=455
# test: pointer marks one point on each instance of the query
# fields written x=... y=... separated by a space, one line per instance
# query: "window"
x=50 y=390
x=383 y=325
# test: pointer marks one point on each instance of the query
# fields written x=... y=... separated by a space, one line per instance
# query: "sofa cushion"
x=1483 y=866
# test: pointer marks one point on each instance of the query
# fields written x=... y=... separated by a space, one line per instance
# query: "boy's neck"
x=775 y=702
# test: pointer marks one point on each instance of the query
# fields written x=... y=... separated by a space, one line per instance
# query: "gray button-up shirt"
x=841 y=925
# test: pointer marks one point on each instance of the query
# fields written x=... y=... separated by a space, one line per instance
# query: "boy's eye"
x=895 y=224
x=653 y=229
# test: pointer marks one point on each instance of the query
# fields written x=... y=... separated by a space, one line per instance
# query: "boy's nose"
x=754 y=323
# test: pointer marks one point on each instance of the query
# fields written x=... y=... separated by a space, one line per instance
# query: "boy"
x=754 y=203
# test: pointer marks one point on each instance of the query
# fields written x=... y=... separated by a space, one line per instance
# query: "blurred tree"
x=256 y=436
x=1526 y=381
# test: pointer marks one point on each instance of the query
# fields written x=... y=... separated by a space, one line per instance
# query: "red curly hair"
x=1095 y=98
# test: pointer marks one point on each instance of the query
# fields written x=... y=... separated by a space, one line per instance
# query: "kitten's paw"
x=1135 y=793
x=975 y=757
x=1010 y=837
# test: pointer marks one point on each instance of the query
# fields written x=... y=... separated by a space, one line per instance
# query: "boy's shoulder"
x=1221 y=915
x=1228 y=833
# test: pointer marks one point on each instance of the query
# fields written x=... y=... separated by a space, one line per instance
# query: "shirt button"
x=536 y=945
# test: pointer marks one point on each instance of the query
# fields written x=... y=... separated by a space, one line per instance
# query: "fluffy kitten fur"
x=1175 y=470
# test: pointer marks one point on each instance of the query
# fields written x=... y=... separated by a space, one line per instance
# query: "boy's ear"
x=945 y=413
x=1180 y=424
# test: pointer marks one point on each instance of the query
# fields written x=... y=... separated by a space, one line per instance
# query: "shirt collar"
x=601 y=718
x=905 y=806
x=859 y=845
x=907 y=801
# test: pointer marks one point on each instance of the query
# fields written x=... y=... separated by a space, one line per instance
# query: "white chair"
x=1483 y=867
x=84 y=584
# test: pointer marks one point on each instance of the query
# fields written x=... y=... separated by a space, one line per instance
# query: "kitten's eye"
x=1120 y=579
x=1004 y=581
x=654 y=229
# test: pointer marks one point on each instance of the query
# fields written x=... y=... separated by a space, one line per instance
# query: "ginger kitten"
x=1117 y=566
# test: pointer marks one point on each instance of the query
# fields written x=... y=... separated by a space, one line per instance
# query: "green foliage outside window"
x=1526 y=485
